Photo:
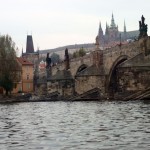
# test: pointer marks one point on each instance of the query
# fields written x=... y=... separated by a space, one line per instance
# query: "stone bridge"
x=108 y=58
x=98 y=69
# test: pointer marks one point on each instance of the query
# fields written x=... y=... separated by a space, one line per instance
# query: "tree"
x=10 y=71
x=55 y=58
x=82 y=52
x=76 y=54
x=79 y=53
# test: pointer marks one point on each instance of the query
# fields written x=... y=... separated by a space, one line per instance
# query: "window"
x=27 y=77
x=28 y=86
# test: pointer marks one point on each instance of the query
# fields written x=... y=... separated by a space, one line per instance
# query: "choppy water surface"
x=75 y=125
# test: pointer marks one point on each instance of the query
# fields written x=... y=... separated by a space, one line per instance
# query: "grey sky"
x=55 y=23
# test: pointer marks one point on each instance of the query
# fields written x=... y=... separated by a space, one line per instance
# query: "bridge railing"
x=130 y=49
x=119 y=48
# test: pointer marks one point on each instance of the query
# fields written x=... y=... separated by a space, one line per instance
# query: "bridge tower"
x=29 y=44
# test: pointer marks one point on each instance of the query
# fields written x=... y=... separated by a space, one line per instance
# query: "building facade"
x=26 y=83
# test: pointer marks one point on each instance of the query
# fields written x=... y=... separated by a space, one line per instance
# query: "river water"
x=75 y=126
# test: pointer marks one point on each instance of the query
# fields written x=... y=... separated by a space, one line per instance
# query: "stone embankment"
x=91 y=95
x=30 y=98
x=18 y=98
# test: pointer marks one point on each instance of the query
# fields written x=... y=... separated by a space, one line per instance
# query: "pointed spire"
x=113 y=21
x=125 y=27
x=112 y=16
x=22 y=51
x=100 y=31
x=106 y=31
x=100 y=27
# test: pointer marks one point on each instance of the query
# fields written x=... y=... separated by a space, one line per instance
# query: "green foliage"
x=6 y=83
x=9 y=68
x=55 y=58
x=76 y=54
x=79 y=53
x=82 y=52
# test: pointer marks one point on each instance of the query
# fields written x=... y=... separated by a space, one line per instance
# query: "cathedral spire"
x=113 y=21
x=125 y=27
x=22 y=51
x=100 y=31
x=100 y=24
x=106 y=31
x=125 y=31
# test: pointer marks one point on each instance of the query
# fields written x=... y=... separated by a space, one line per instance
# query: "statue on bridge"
x=48 y=65
x=97 y=41
x=143 y=37
x=48 y=61
x=67 y=63
x=142 y=28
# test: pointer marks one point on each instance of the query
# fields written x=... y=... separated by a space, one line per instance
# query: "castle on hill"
x=113 y=36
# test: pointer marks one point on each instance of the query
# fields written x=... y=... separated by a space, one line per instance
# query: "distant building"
x=26 y=83
x=42 y=66
x=30 y=54
x=29 y=44
x=113 y=36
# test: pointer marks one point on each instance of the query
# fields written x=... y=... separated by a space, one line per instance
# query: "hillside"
x=76 y=46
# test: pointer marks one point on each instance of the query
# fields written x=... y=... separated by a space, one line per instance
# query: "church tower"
x=30 y=55
x=113 y=31
x=112 y=36
x=112 y=25
x=125 y=32
x=100 y=36
x=29 y=44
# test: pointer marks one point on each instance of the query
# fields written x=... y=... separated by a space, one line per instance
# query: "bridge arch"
x=111 y=81
x=81 y=68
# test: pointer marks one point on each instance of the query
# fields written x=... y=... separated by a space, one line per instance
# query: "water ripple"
x=75 y=125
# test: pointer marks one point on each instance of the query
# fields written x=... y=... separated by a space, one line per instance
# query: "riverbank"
x=44 y=98
x=22 y=99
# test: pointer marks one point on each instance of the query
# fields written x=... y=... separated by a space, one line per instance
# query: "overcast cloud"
x=55 y=23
